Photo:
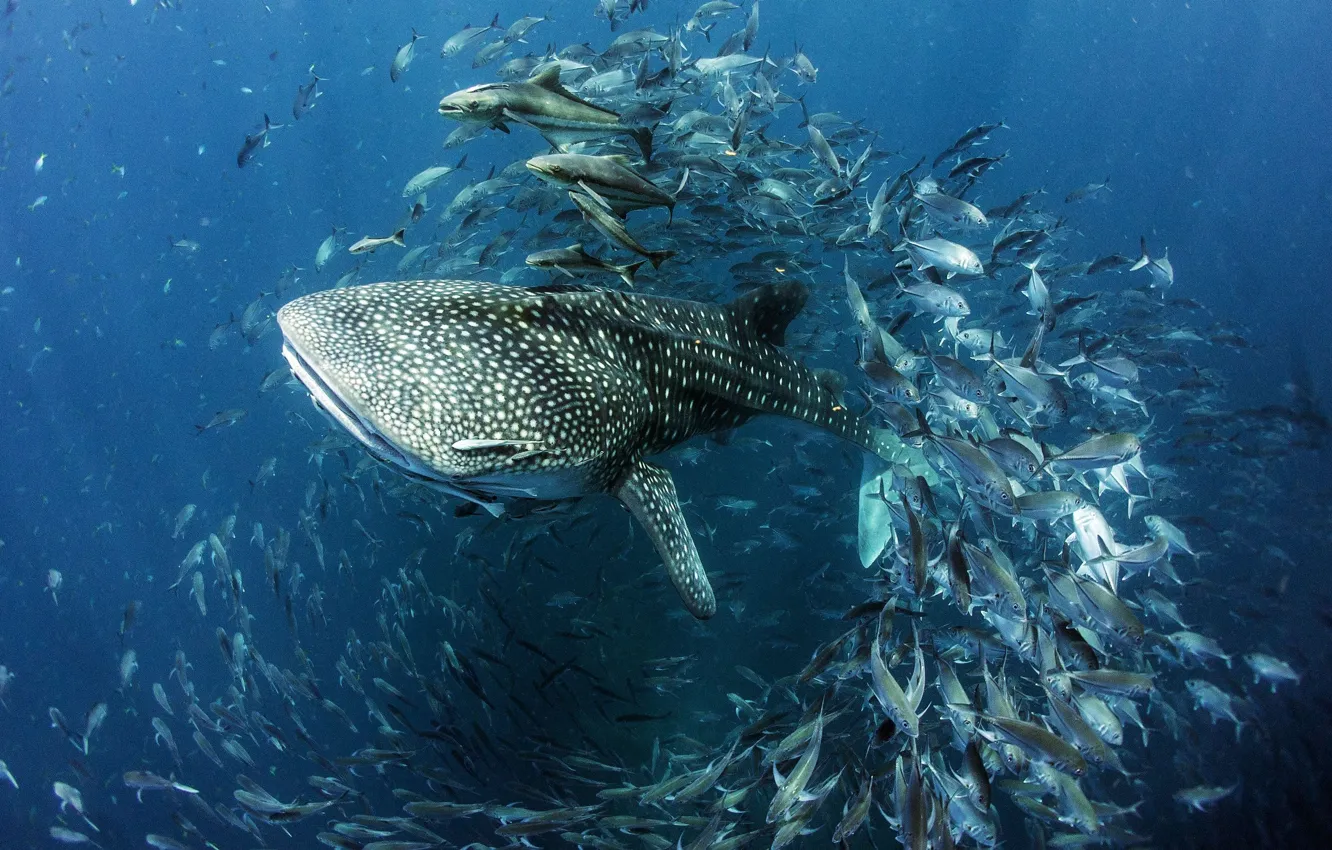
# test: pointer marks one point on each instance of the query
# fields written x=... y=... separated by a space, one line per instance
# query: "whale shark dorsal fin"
x=766 y=311
x=649 y=493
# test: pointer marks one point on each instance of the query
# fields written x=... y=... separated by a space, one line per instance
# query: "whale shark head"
x=440 y=380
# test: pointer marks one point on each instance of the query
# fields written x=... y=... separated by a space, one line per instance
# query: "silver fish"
x=402 y=60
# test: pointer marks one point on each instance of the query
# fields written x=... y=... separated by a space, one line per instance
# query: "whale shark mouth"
x=485 y=490
x=333 y=403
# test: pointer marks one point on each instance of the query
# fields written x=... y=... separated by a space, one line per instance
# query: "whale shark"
x=491 y=393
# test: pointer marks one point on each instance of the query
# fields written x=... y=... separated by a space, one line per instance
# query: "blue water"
x=1211 y=121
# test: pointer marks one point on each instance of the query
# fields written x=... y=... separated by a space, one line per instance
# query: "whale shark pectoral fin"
x=649 y=493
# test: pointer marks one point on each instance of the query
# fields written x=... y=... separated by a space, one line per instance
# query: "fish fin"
x=627 y=272
x=874 y=527
x=766 y=312
x=548 y=78
x=1133 y=501
x=594 y=195
x=643 y=136
x=1033 y=351
x=649 y=493
x=1144 y=259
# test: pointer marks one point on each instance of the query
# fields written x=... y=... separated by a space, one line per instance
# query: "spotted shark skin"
x=491 y=392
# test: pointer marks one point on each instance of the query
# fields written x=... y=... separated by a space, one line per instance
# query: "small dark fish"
x=305 y=96
x=1091 y=190
x=976 y=166
x=131 y=614
x=1113 y=261
x=223 y=418
x=255 y=141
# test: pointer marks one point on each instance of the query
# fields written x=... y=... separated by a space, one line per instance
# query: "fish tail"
x=923 y=430
x=398 y=237
x=643 y=136
x=659 y=257
x=627 y=272
x=1144 y=259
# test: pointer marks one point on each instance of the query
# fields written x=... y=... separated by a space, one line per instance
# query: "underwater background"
x=132 y=247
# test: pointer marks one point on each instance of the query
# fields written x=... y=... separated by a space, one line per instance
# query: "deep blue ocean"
x=131 y=246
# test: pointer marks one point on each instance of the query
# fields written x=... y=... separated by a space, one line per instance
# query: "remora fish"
x=542 y=103
x=599 y=215
x=556 y=392
x=575 y=259
x=611 y=177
